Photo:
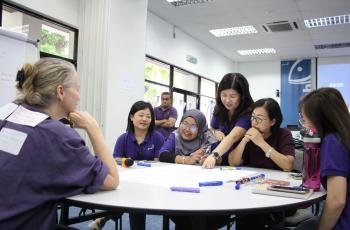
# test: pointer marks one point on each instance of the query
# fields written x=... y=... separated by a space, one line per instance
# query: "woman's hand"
x=196 y=156
x=209 y=162
x=255 y=136
x=203 y=159
x=218 y=134
x=82 y=120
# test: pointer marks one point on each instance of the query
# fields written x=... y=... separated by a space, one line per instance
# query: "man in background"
x=165 y=115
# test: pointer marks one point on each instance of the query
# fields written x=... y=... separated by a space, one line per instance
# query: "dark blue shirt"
x=127 y=146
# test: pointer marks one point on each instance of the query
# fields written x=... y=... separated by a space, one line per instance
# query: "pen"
x=184 y=189
x=141 y=163
x=230 y=168
x=247 y=179
x=210 y=183
x=207 y=151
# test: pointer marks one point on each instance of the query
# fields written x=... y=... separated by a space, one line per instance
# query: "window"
x=185 y=80
x=157 y=80
x=56 y=39
x=207 y=104
x=207 y=107
x=189 y=91
x=153 y=92
x=157 y=72
x=208 y=88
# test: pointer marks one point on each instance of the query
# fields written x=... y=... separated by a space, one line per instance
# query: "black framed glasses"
x=192 y=128
x=258 y=120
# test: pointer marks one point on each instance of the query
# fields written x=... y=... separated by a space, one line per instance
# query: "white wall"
x=264 y=78
x=161 y=44
x=62 y=10
x=125 y=77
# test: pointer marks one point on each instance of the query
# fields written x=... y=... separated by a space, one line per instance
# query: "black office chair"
x=85 y=215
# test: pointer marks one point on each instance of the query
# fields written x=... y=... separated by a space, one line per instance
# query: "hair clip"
x=20 y=77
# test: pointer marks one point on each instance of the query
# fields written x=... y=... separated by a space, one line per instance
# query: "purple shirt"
x=335 y=161
x=127 y=146
x=282 y=142
x=243 y=122
x=161 y=114
x=52 y=164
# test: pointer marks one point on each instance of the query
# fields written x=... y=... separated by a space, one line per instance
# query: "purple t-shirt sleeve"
x=120 y=147
x=243 y=122
x=173 y=113
x=169 y=145
x=86 y=170
x=158 y=143
x=334 y=158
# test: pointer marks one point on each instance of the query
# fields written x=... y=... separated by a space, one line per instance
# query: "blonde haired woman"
x=41 y=159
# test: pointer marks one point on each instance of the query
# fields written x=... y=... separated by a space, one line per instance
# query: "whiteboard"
x=15 y=50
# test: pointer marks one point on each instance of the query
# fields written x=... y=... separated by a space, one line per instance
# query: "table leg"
x=165 y=222
x=198 y=222
x=64 y=214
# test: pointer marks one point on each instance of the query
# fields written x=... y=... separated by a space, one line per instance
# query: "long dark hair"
x=326 y=109
x=239 y=83
x=137 y=106
x=273 y=110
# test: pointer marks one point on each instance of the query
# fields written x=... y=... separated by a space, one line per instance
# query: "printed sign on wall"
x=295 y=82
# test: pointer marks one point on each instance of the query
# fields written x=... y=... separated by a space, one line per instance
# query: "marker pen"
x=210 y=183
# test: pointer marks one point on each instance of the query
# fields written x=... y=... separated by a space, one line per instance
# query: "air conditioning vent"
x=281 y=26
x=332 y=46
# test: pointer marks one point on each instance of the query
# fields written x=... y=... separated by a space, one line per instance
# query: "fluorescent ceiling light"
x=257 y=51
x=327 y=21
x=187 y=2
x=234 y=31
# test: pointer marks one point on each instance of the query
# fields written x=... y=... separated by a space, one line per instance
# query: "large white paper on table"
x=181 y=175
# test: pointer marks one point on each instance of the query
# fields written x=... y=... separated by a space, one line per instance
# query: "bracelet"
x=183 y=159
x=268 y=153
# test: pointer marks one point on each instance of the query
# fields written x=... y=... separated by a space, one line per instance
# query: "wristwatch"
x=215 y=155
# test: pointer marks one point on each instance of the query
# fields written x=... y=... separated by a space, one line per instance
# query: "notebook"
x=262 y=189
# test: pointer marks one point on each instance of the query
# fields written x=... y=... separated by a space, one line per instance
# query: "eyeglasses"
x=192 y=128
x=302 y=121
x=258 y=120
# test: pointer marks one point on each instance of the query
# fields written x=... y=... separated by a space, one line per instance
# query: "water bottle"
x=311 y=171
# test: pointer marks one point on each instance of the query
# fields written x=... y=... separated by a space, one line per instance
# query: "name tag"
x=150 y=148
x=27 y=117
x=11 y=141
x=6 y=110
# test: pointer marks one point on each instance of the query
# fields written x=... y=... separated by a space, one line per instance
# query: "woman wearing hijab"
x=190 y=142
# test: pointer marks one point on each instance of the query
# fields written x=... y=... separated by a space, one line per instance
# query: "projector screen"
x=335 y=73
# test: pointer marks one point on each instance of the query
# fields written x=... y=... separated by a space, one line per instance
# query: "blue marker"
x=210 y=183
x=238 y=186
x=144 y=164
